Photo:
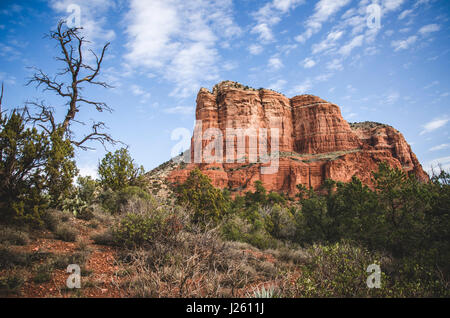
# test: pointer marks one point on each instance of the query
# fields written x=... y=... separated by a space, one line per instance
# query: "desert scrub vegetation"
x=401 y=223
x=13 y=236
x=66 y=233
x=146 y=227
x=193 y=265
x=10 y=285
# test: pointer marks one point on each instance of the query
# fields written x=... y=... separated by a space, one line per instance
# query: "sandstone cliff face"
x=315 y=142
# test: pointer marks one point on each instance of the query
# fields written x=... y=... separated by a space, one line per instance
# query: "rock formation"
x=315 y=142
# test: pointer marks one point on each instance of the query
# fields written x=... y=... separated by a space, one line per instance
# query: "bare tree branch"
x=1 y=98
x=103 y=138
x=71 y=43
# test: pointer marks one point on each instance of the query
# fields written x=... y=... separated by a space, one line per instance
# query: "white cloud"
x=275 y=63
x=429 y=29
x=178 y=39
x=408 y=42
x=308 y=63
x=434 y=83
x=392 y=5
x=136 y=90
x=433 y=125
x=8 y=79
x=328 y=43
x=440 y=147
x=255 y=49
x=348 y=48
x=323 y=77
x=278 y=85
x=302 y=88
x=180 y=110
x=88 y=170
x=404 y=44
x=323 y=10
x=392 y=97
x=269 y=15
x=404 y=14
x=335 y=64
x=265 y=33
x=93 y=19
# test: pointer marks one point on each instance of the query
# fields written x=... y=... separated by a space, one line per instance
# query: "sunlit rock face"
x=311 y=140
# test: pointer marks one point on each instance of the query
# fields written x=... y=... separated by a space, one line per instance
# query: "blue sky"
x=163 y=51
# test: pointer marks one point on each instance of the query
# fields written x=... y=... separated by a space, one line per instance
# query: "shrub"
x=12 y=236
x=10 y=284
x=43 y=273
x=339 y=270
x=66 y=233
x=10 y=258
x=238 y=228
x=104 y=238
x=86 y=213
x=208 y=203
x=114 y=201
x=117 y=170
x=137 y=229
x=61 y=261
x=278 y=221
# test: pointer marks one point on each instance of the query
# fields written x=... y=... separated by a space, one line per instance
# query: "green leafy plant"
x=117 y=171
x=208 y=203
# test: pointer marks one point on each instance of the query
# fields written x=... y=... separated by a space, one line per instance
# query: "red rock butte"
x=315 y=142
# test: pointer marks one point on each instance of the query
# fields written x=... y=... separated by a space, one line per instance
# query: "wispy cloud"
x=308 y=63
x=429 y=29
x=269 y=15
x=255 y=49
x=93 y=18
x=405 y=13
x=392 y=97
x=348 y=48
x=278 y=85
x=178 y=39
x=399 y=45
x=440 y=147
x=324 y=10
x=335 y=64
x=136 y=90
x=434 y=83
x=434 y=124
x=275 y=63
x=302 y=88
x=179 y=110
x=404 y=44
x=328 y=43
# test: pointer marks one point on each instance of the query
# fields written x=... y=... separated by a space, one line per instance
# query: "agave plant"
x=264 y=293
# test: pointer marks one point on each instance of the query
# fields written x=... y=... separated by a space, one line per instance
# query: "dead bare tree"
x=1 y=98
x=68 y=83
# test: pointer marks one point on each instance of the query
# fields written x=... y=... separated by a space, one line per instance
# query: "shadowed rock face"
x=315 y=142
